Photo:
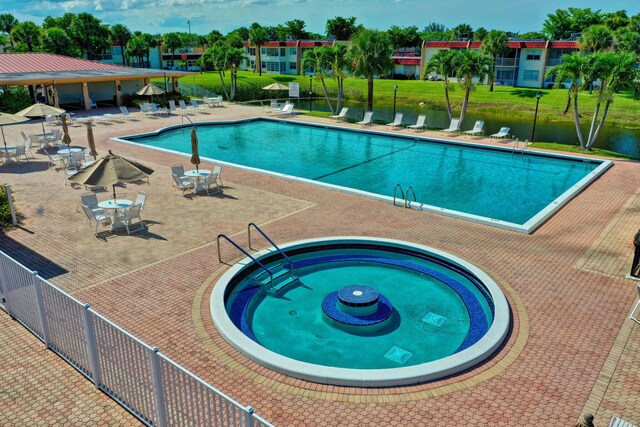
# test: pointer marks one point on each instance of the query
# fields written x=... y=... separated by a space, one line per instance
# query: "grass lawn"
x=504 y=101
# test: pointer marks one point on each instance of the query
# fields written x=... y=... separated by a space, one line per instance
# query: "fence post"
x=42 y=313
x=14 y=218
x=4 y=284
x=92 y=346
x=249 y=421
x=158 y=388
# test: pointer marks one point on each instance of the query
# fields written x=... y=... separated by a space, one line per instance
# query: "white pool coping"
x=527 y=228
x=430 y=371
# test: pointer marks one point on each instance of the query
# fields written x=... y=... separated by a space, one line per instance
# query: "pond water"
x=625 y=141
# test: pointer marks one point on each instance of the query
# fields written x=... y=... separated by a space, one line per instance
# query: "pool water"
x=430 y=320
x=485 y=182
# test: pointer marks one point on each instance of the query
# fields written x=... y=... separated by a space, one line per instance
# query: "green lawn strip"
x=504 y=101
x=577 y=150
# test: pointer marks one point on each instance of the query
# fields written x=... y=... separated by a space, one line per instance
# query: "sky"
x=162 y=16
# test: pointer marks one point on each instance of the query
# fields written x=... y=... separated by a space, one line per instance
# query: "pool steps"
x=275 y=285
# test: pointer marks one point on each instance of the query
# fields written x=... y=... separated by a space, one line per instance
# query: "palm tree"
x=319 y=60
x=122 y=35
x=258 y=37
x=138 y=47
x=27 y=32
x=85 y=27
x=235 y=56
x=7 y=22
x=172 y=41
x=443 y=64
x=570 y=70
x=369 y=54
x=337 y=57
x=494 y=45
x=56 y=40
x=470 y=65
x=596 y=38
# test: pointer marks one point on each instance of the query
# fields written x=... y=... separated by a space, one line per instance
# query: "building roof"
x=41 y=68
x=515 y=44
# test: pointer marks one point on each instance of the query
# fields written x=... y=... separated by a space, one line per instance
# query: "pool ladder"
x=405 y=196
x=268 y=275
x=516 y=146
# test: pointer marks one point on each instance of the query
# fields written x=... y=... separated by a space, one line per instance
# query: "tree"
x=615 y=20
x=258 y=37
x=122 y=35
x=494 y=45
x=561 y=24
x=480 y=34
x=315 y=59
x=87 y=30
x=138 y=48
x=63 y=21
x=242 y=32
x=172 y=42
x=337 y=57
x=223 y=57
x=434 y=27
x=470 y=65
x=532 y=35
x=7 y=22
x=370 y=54
x=443 y=64
x=214 y=36
x=295 y=29
x=404 y=37
x=627 y=40
x=569 y=71
x=462 y=31
x=56 y=40
x=341 y=28
x=27 y=32
x=596 y=38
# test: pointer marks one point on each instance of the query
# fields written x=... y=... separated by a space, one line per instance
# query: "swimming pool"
x=496 y=186
x=360 y=311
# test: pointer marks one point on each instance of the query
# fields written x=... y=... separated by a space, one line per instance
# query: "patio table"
x=7 y=151
x=195 y=176
x=112 y=207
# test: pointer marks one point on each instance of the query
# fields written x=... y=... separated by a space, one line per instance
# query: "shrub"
x=14 y=100
x=5 y=211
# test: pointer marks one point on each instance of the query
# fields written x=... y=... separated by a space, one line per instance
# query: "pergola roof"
x=46 y=68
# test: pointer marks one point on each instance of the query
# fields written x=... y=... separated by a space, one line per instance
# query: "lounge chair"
x=92 y=104
x=196 y=106
x=478 y=128
x=502 y=133
x=341 y=116
x=172 y=107
x=366 y=120
x=158 y=111
x=183 y=107
x=454 y=126
x=619 y=422
x=397 y=121
x=125 y=113
x=419 y=123
x=287 y=110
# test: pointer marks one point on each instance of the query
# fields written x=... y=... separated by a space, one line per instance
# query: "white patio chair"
x=141 y=198
x=218 y=101
x=420 y=123
x=182 y=184
x=342 y=115
x=99 y=218
x=210 y=184
x=478 y=128
x=397 y=121
x=68 y=173
x=53 y=160
x=217 y=170
x=367 y=119
x=179 y=171
x=27 y=149
x=19 y=151
x=454 y=126
x=132 y=213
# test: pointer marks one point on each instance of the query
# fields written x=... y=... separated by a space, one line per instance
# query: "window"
x=531 y=75
x=263 y=50
x=283 y=51
x=273 y=51
x=292 y=51
x=533 y=55
x=293 y=66
x=251 y=51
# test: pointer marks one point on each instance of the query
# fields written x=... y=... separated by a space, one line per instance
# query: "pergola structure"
x=67 y=80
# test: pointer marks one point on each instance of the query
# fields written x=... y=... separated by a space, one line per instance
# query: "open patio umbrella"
x=195 y=157
x=66 y=139
x=6 y=119
x=91 y=141
x=150 y=89
x=39 y=110
x=276 y=86
x=111 y=170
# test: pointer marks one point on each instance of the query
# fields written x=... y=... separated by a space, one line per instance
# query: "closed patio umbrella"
x=195 y=157
x=6 y=119
x=91 y=141
x=39 y=110
x=111 y=170
x=66 y=139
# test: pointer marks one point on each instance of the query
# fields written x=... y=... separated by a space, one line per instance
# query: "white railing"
x=151 y=386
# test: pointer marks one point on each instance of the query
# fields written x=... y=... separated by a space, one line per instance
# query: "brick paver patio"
x=571 y=349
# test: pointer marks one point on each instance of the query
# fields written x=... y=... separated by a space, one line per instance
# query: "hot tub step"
x=263 y=278
x=281 y=285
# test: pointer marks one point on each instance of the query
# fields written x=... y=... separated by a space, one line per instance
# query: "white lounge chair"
x=125 y=113
x=397 y=121
x=366 y=120
x=342 y=115
x=419 y=123
x=478 y=128
x=287 y=110
x=183 y=107
x=454 y=126
x=196 y=106
x=502 y=133
x=172 y=107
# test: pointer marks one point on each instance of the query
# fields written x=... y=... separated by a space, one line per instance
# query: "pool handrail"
x=270 y=241
x=394 y=193
x=246 y=253
x=407 y=203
